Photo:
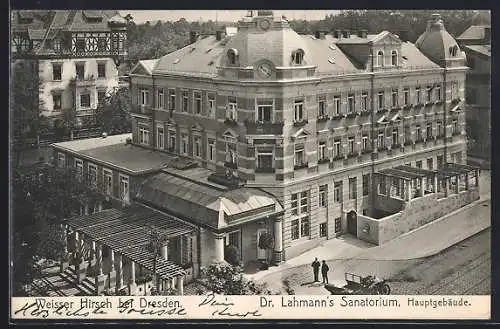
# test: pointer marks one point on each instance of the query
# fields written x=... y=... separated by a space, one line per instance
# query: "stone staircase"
x=85 y=288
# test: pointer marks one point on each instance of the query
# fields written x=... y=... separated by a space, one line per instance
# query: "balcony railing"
x=337 y=116
x=300 y=166
x=381 y=110
x=264 y=128
x=351 y=115
x=322 y=118
x=231 y=122
x=142 y=109
x=324 y=160
x=84 y=81
x=364 y=113
x=407 y=107
x=300 y=123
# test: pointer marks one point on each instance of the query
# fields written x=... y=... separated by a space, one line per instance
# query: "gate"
x=352 y=223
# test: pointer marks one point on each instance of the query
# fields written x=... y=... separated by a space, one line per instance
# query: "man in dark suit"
x=315 y=265
x=324 y=272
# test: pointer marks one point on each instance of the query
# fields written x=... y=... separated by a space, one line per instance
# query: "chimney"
x=363 y=34
x=346 y=34
x=193 y=36
x=487 y=34
x=337 y=34
x=319 y=34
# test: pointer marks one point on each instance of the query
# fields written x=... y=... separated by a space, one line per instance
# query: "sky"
x=141 y=16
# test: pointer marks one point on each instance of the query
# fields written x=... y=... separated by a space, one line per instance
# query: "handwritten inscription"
x=222 y=306
x=42 y=309
x=150 y=307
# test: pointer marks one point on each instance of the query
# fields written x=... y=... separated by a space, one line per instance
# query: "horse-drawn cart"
x=358 y=285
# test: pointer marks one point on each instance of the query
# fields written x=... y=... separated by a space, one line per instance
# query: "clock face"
x=264 y=24
x=265 y=70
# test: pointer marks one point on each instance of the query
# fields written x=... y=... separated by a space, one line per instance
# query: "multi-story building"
x=300 y=137
x=476 y=41
x=75 y=54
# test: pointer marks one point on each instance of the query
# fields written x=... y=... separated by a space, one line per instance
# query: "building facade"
x=476 y=41
x=298 y=138
x=75 y=52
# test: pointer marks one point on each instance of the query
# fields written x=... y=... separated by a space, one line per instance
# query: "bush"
x=266 y=241
x=232 y=255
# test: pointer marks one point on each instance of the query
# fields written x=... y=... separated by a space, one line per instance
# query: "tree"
x=113 y=113
x=222 y=278
x=232 y=255
x=157 y=239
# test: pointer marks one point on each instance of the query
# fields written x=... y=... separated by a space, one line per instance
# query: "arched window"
x=453 y=50
x=394 y=58
x=298 y=56
x=380 y=58
x=231 y=56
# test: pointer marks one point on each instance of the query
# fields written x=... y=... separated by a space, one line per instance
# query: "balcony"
x=324 y=160
x=337 y=116
x=364 y=113
x=231 y=165
x=322 y=118
x=231 y=122
x=381 y=111
x=141 y=109
x=300 y=123
x=300 y=166
x=264 y=170
x=351 y=115
x=264 y=128
x=82 y=81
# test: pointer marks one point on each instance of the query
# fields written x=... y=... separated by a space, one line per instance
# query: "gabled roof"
x=480 y=49
x=144 y=67
x=474 y=32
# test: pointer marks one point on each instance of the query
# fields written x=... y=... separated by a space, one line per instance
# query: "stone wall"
x=389 y=205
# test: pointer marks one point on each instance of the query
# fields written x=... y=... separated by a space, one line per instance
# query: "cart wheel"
x=384 y=289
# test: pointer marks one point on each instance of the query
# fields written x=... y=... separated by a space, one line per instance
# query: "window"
x=171 y=140
x=124 y=188
x=323 y=195
x=454 y=127
x=418 y=133
x=197 y=102
x=304 y=226
x=381 y=140
x=61 y=160
x=108 y=182
x=231 y=151
x=322 y=150
x=80 y=71
x=79 y=170
x=338 y=224
x=323 y=231
x=231 y=56
x=322 y=107
x=56 y=71
x=171 y=97
x=353 y=188
x=231 y=108
x=453 y=50
x=364 y=101
x=336 y=105
x=366 y=184
x=418 y=94
x=350 y=145
x=364 y=142
x=438 y=92
x=439 y=128
x=160 y=97
x=93 y=175
x=211 y=149
x=101 y=96
x=300 y=202
x=430 y=165
x=396 y=187
x=428 y=130
x=101 y=70
x=382 y=188
x=380 y=58
x=418 y=164
x=395 y=136
x=265 y=160
x=299 y=110
x=211 y=105
x=429 y=94
x=56 y=99
x=298 y=56
x=185 y=101
x=337 y=153
x=197 y=146
x=350 y=103
x=337 y=192
x=144 y=97
x=85 y=100
x=184 y=144
x=300 y=156
x=380 y=99
x=394 y=98
x=394 y=58
x=295 y=229
x=144 y=135
x=406 y=94
x=233 y=239
x=80 y=45
x=160 y=138
x=264 y=110
x=439 y=161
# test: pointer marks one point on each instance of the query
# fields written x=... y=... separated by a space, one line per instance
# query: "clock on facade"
x=264 y=24
x=265 y=70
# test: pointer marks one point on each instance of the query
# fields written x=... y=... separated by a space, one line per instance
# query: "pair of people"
x=324 y=270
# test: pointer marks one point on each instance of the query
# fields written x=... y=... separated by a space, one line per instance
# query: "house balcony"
x=88 y=81
x=324 y=160
x=351 y=115
x=322 y=118
x=264 y=128
x=231 y=122
x=300 y=123
x=364 y=113
x=141 y=109
x=300 y=166
x=337 y=117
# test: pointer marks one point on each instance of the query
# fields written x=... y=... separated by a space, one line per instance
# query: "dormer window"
x=394 y=58
x=232 y=54
x=380 y=58
x=453 y=50
x=298 y=56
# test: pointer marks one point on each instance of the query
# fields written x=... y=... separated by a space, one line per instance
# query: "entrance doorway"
x=261 y=253
x=352 y=223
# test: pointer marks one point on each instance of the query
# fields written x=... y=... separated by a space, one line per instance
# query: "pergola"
x=125 y=232
x=401 y=183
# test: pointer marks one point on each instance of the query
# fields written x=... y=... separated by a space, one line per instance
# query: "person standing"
x=315 y=265
x=324 y=272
